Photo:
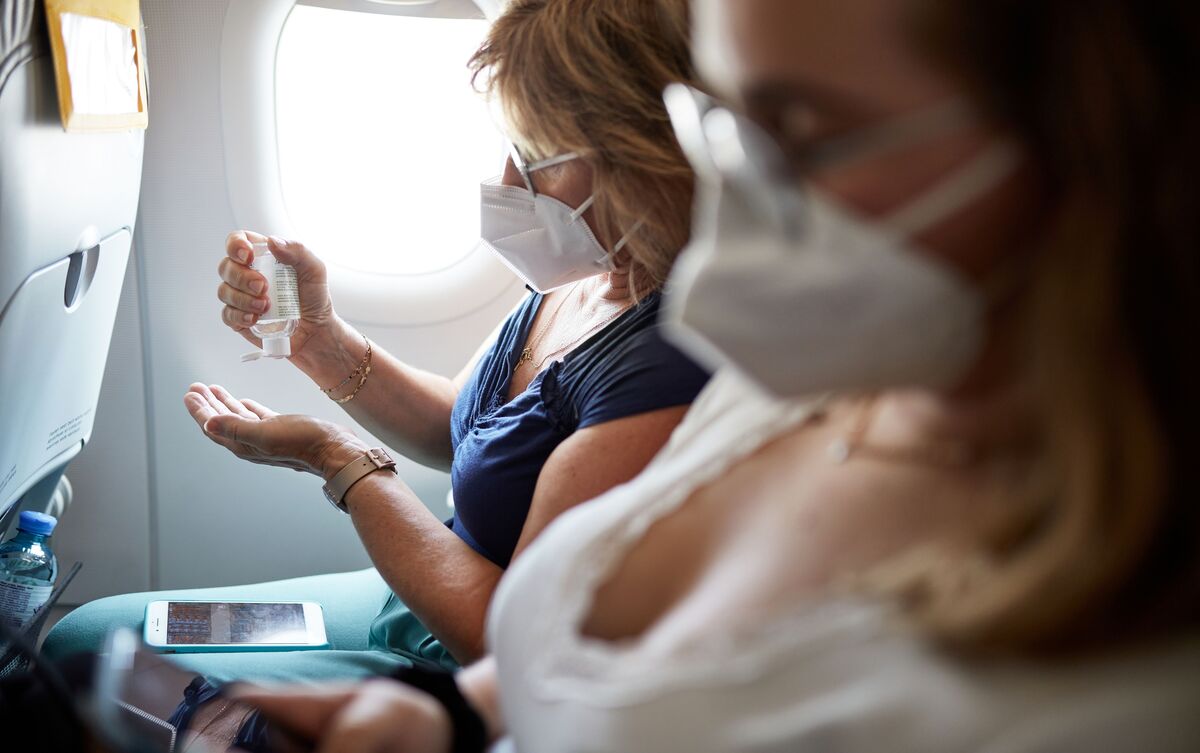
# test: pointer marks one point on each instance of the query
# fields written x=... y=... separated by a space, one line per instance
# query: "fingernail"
x=262 y=304
x=257 y=287
x=275 y=239
x=242 y=255
x=248 y=318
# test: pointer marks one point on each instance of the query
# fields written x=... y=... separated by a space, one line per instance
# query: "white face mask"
x=806 y=297
x=547 y=243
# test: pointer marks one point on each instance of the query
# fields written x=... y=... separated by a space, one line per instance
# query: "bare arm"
x=408 y=408
x=446 y=583
x=377 y=715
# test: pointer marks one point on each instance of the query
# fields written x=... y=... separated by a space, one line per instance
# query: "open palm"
x=258 y=434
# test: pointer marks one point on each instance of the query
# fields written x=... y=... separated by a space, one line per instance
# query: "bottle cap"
x=277 y=347
x=36 y=522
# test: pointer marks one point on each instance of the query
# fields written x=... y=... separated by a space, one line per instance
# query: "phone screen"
x=198 y=623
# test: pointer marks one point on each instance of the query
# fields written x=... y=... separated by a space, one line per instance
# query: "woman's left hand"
x=256 y=433
x=376 y=716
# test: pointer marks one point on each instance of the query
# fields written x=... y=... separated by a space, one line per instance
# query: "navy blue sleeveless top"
x=500 y=448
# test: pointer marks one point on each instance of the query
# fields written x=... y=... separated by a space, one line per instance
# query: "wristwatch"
x=373 y=460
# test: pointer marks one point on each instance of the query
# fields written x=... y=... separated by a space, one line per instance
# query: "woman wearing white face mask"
x=573 y=395
x=956 y=239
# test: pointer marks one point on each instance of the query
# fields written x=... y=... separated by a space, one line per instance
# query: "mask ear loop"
x=586 y=205
x=604 y=260
x=961 y=188
x=625 y=238
x=549 y=162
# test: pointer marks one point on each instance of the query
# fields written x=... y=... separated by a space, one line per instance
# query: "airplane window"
x=382 y=141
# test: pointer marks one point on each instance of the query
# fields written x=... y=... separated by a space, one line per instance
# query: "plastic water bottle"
x=276 y=325
x=28 y=569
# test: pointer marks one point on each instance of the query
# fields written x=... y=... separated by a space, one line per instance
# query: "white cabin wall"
x=158 y=505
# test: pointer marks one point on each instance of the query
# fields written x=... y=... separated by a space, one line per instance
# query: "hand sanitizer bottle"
x=276 y=325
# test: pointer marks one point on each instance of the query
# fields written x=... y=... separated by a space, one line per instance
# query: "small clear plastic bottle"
x=275 y=327
x=28 y=569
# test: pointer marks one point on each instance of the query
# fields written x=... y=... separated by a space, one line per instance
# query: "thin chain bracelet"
x=366 y=359
x=361 y=381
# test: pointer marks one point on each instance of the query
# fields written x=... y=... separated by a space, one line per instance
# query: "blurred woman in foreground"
x=975 y=225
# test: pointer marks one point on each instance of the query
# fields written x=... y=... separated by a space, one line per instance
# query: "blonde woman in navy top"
x=575 y=393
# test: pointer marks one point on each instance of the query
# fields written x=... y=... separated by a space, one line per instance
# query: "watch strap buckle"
x=375 y=459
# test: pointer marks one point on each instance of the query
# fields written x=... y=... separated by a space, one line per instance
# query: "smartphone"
x=135 y=698
x=194 y=626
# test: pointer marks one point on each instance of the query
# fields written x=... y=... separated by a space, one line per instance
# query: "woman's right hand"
x=242 y=289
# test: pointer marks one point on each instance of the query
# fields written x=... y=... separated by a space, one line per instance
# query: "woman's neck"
x=991 y=410
x=612 y=287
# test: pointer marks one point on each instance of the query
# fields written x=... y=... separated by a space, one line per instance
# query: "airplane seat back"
x=68 y=202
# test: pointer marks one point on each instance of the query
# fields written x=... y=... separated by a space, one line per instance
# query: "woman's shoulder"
x=627 y=369
x=634 y=340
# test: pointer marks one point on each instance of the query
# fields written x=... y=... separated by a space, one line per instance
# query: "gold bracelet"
x=361 y=365
x=361 y=381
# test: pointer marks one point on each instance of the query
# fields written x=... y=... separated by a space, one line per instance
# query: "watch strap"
x=375 y=459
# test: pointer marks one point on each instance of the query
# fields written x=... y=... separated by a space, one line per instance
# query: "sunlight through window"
x=382 y=140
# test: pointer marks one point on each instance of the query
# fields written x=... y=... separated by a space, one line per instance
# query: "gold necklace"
x=947 y=454
x=527 y=353
x=594 y=329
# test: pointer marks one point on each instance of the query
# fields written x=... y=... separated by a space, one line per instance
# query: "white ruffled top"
x=832 y=676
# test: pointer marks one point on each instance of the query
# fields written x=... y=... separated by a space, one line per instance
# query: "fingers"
x=306 y=711
x=197 y=406
x=241 y=277
x=241 y=288
x=234 y=428
x=243 y=302
x=234 y=405
x=202 y=411
x=212 y=401
x=238 y=245
x=259 y=409
x=237 y=320
x=296 y=254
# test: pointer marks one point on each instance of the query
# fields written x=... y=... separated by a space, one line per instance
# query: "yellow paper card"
x=99 y=63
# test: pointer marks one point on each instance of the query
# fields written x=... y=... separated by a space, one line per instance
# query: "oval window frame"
x=249 y=44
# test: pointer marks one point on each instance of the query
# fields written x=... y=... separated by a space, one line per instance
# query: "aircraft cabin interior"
x=598 y=375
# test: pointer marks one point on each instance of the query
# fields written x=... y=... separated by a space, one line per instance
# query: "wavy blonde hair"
x=587 y=76
x=1107 y=547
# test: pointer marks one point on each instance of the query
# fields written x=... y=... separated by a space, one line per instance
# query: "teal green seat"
x=363 y=641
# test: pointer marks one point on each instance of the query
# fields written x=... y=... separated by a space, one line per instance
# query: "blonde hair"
x=587 y=76
x=1102 y=546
